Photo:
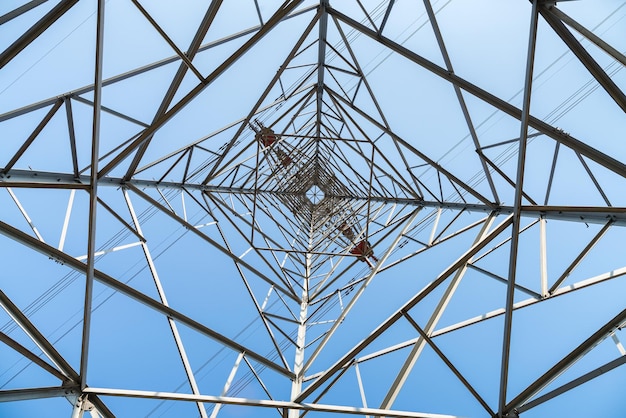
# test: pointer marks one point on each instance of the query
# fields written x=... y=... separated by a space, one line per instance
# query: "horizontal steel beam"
x=13 y=395
x=65 y=181
x=313 y=407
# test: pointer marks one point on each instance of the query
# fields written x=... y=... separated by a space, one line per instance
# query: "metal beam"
x=157 y=124
x=459 y=95
x=36 y=336
x=93 y=197
x=517 y=213
x=20 y=10
x=71 y=262
x=551 y=131
x=33 y=135
x=31 y=356
x=588 y=34
x=141 y=70
x=64 y=181
x=14 y=395
x=361 y=289
x=212 y=242
x=37 y=29
x=206 y=23
x=436 y=315
x=313 y=407
x=585 y=58
x=350 y=355
x=573 y=384
x=605 y=331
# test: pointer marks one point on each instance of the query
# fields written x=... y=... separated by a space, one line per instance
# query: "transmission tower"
x=312 y=208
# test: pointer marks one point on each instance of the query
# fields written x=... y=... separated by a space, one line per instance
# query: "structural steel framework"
x=312 y=208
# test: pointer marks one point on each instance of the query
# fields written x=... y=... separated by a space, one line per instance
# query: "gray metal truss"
x=293 y=235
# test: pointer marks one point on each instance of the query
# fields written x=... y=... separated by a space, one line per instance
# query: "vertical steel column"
x=521 y=160
x=298 y=366
x=93 y=196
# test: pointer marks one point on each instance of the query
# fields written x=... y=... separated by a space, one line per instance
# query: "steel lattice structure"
x=312 y=208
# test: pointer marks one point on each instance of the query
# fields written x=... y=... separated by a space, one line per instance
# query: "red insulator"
x=285 y=160
x=363 y=250
x=266 y=136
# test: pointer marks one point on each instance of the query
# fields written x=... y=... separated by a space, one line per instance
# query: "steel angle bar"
x=406 y=187
x=66 y=221
x=528 y=302
x=328 y=388
x=20 y=10
x=351 y=354
x=414 y=150
x=14 y=395
x=323 y=285
x=93 y=196
x=141 y=70
x=493 y=314
x=25 y=214
x=502 y=174
x=618 y=345
x=107 y=110
x=262 y=403
x=587 y=33
x=519 y=287
x=161 y=292
x=33 y=136
x=573 y=384
x=321 y=62
x=558 y=135
x=221 y=206
x=516 y=224
x=35 y=335
x=580 y=257
x=448 y=363
x=593 y=179
x=10 y=342
x=197 y=39
x=436 y=315
x=210 y=241
x=584 y=214
x=183 y=102
x=266 y=92
x=72 y=136
x=604 y=332
x=258 y=378
x=460 y=98
x=585 y=58
x=256 y=304
x=196 y=42
x=123 y=288
x=37 y=29
x=387 y=13
x=543 y=257
x=229 y=381
x=38 y=338
x=439 y=241
x=122 y=220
